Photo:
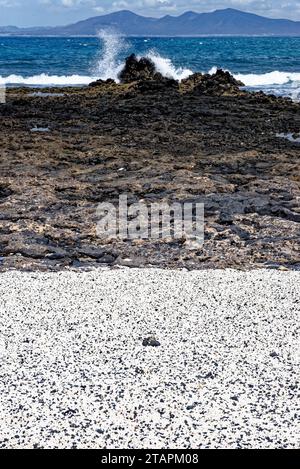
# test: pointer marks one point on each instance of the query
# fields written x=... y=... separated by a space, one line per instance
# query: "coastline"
x=156 y=141
x=149 y=244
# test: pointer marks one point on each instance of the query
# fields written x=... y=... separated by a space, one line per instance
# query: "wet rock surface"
x=156 y=141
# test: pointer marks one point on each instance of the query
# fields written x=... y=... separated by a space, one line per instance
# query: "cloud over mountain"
x=59 y=12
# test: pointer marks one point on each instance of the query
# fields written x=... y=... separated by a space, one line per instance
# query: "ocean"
x=262 y=63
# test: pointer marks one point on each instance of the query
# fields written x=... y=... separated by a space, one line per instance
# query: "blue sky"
x=56 y=12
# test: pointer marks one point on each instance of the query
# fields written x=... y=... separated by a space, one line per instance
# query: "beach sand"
x=75 y=372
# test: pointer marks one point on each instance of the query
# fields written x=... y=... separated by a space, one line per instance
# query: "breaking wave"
x=167 y=68
x=111 y=61
x=280 y=83
x=113 y=45
x=47 y=80
x=272 y=78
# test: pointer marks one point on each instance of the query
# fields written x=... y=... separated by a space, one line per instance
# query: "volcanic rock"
x=96 y=83
x=156 y=86
x=139 y=69
x=219 y=84
x=151 y=342
x=189 y=83
x=156 y=141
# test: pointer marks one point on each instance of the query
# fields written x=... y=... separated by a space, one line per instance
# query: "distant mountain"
x=220 y=22
x=8 y=29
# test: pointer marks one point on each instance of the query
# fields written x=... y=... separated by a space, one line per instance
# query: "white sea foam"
x=46 y=80
x=278 y=83
x=167 y=68
x=272 y=78
x=164 y=66
x=264 y=79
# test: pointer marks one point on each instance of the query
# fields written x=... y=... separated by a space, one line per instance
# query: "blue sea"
x=262 y=63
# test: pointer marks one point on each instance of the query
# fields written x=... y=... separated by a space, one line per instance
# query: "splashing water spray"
x=109 y=64
x=166 y=67
x=114 y=46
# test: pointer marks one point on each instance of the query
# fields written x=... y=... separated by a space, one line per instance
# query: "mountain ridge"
x=223 y=22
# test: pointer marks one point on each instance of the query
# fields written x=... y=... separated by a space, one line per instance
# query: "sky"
x=60 y=12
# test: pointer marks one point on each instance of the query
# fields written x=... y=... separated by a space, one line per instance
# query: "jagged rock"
x=189 y=83
x=219 y=84
x=96 y=83
x=139 y=69
x=144 y=76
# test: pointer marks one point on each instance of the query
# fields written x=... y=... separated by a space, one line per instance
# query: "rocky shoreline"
x=206 y=139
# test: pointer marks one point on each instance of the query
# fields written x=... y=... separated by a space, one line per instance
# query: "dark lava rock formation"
x=109 y=81
x=139 y=69
x=201 y=140
x=219 y=84
x=143 y=74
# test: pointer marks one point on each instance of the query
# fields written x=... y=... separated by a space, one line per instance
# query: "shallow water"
x=40 y=129
x=290 y=137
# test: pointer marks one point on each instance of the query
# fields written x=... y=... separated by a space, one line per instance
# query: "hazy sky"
x=52 y=12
